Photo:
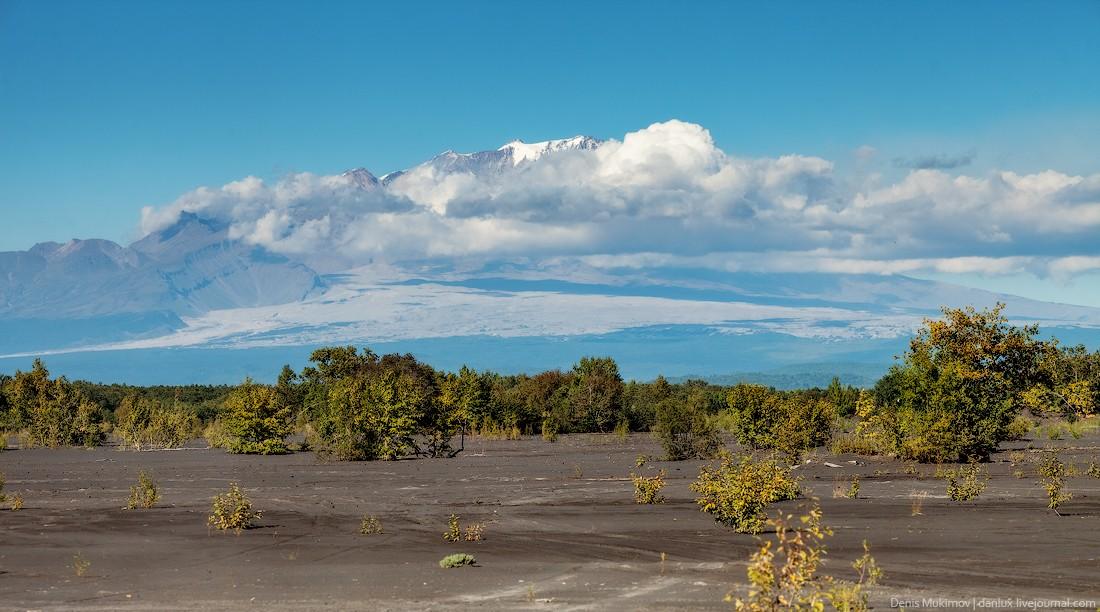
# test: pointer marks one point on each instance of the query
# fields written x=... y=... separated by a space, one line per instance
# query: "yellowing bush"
x=737 y=491
x=232 y=510
x=647 y=489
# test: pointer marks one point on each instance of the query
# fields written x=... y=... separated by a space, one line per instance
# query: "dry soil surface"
x=561 y=531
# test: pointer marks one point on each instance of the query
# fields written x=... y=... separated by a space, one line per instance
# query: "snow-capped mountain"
x=505 y=158
x=362 y=178
x=519 y=151
x=201 y=280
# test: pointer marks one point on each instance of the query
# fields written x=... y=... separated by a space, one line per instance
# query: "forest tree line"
x=968 y=381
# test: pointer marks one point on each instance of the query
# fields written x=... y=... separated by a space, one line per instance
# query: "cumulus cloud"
x=668 y=195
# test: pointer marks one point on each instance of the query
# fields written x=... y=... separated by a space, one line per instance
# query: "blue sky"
x=108 y=107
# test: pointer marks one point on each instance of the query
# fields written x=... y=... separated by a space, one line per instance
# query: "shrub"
x=232 y=510
x=491 y=430
x=454 y=531
x=647 y=490
x=854 y=443
x=474 y=532
x=144 y=423
x=1019 y=428
x=1094 y=470
x=1053 y=472
x=853 y=489
x=15 y=499
x=803 y=423
x=457 y=560
x=81 y=565
x=784 y=577
x=370 y=525
x=966 y=483
x=737 y=491
x=622 y=430
x=755 y=408
x=873 y=434
x=216 y=435
x=144 y=494
x=684 y=430
x=52 y=412
x=256 y=420
x=787 y=422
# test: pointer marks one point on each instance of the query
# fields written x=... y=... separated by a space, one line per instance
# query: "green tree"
x=461 y=397
x=377 y=413
x=640 y=402
x=595 y=396
x=1068 y=385
x=256 y=419
x=843 y=398
x=959 y=386
x=289 y=391
x=546 y=401
x=52 y=412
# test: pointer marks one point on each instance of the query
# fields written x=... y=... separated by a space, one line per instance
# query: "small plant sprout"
x=966 y=483
x=144 y=494
x=80 y=565
x=1053 y=473
x=578 y=473
x=622 y=430
x=370 y=525
x=456 y=560
x=853 y=489
x=16 y=502
x=474 y=532
x=1094 y=470
x=647 y=489
x=784 y=576
x=1017 y=457
x=454 y=532
x=640 y=461
x=232 y=510
x=918 y=498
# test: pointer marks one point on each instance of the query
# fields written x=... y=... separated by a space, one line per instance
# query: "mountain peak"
x=362 y=178
x=522 y=151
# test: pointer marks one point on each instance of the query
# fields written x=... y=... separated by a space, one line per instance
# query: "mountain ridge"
x=199 y=281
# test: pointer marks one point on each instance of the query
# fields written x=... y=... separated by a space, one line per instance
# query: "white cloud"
x=668 y=194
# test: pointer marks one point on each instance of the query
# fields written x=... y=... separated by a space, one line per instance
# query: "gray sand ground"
x=561 y=531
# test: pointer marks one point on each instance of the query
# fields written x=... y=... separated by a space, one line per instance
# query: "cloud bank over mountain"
x=666 y=195
x=546 y=251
